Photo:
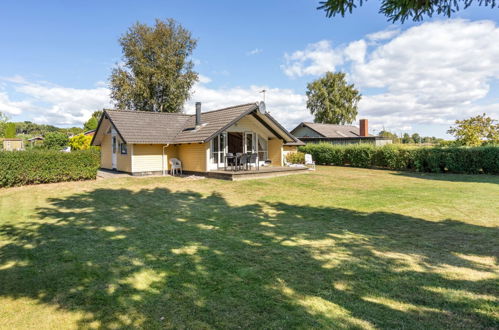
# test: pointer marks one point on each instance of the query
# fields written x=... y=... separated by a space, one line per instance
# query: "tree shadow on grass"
x=156 y=258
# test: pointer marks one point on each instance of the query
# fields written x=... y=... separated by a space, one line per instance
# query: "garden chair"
x=253 y=159
x=309 y=161
x=175 y=165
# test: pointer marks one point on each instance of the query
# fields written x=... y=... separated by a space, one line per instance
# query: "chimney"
x=198 y=114
x=364 y=128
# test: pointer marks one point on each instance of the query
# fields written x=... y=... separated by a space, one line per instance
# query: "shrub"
x=44 y=166
x=55 y=141
x=80 y=142
x=472 y=160
x=295 y=158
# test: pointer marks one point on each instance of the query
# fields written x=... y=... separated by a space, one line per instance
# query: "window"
x=123 y=148
x=262 y=149
x=114 y=144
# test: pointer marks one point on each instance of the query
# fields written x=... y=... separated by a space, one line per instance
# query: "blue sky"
x=56 y=57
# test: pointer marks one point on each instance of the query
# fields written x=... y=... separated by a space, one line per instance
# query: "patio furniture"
x=309 y=161
x=243 y=161
x=175 y=165
x=253 y=159
x=238 y=160
x=230 y=160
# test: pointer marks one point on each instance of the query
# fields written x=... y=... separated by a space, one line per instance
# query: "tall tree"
x=401 y=10
x=331 y=100
x=406 y=138
x=416 y=138
x=10 y=130
x=3 y=120
x=157 y=73
x=475 y=131
x=93 y=121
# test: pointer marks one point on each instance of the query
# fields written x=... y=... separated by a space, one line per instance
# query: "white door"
x=218 y=150
x=114 y=147
x=249 y=142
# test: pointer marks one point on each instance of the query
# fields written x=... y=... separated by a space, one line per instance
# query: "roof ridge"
x=148 y=112
x=233 y=106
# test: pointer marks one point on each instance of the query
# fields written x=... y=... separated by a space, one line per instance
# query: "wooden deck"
x=263 y=172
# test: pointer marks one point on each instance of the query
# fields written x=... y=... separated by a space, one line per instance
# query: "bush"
x=428 y=159
x=295 y=158
x=80 y=142
x=44 y=166
x=55 y=141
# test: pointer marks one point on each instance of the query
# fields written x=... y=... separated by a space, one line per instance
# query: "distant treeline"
x=29 y=128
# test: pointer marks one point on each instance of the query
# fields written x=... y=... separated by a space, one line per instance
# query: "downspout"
x=163 y=158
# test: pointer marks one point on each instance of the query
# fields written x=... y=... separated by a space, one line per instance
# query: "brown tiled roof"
x=297 y=142
x=212 y=123
x=333 y=131
x=144 y=127
x=147 y=127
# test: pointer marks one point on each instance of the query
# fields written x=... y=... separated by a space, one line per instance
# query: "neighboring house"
x=337 y=134
x=13 y=144
x=35 y=141
x=142 y=142
x=89 y=133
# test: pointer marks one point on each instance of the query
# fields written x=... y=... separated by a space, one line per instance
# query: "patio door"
x=218 y=149
x=249 y=142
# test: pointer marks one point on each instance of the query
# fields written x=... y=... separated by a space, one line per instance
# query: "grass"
x=337 y=248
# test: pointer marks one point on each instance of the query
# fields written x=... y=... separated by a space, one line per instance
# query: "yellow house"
x=13 y=144
x=142 y=142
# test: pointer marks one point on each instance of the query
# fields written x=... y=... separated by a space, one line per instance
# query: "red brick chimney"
x=364 y=127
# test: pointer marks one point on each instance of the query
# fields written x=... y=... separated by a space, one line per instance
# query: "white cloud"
x=356 y=51
x=204 y=79
x=285 y=105
x=383 y=35
x=9 y=107
x=53 y=104
x=315 y=59
x=433 y=73
x=254 y=51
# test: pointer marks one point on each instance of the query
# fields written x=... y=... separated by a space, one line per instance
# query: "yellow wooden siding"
x=124 y=162
x=147 y=157
x=290 y=148
x=275 y=152
x=106 y=152
x=13 y=145
x=250 y=124
x=193 y=156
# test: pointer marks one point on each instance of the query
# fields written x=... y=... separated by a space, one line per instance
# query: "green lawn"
x=336 y=248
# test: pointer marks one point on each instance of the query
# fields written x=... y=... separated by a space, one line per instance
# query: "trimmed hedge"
x=473 y=160
x=19 y=168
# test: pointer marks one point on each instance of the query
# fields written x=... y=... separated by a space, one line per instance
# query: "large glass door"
x=249 y=142
x=218 y=150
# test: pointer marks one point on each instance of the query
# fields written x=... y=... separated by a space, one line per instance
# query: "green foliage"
x=29 y=128
x=416 y=138
x=331 y=100
x=3 y=120
x=55 y=140
x=157 y=74
x=295 y=158
x=45 y=166
x=428 y=159
x=10 y=130
x=91 y=124
x=80 y=142
x=476 y=130
x=401 y=10
x=390 y=135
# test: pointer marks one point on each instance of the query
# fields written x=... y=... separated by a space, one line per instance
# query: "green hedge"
x=426 y=159
x=19 y=168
